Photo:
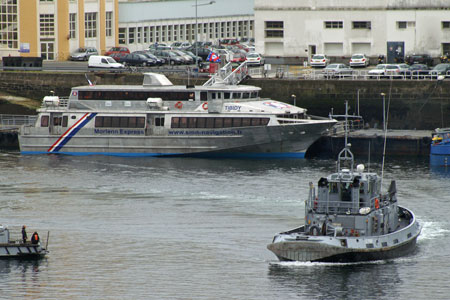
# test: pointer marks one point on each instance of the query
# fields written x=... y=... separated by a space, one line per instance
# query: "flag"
x=213 y=57
x=90 y=82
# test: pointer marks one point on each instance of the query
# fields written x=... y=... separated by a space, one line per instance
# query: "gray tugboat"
x=20 y=248
x=349 y=219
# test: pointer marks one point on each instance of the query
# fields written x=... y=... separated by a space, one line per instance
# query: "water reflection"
x=376 y=280
x=441 y=171
x=22 y=265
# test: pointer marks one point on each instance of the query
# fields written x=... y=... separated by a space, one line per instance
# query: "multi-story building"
x=292 y=28
x=145 y=22
x=52 y=29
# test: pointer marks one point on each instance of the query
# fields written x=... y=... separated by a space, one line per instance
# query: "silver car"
x=83 y=53
x=337 y=70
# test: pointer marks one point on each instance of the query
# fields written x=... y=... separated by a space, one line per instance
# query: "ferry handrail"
x=7 y=120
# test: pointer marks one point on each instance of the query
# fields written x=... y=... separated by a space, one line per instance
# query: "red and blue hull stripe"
x=71 y=132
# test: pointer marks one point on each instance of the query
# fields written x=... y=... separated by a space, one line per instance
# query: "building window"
x=445 y=48
x=72 y=26
x=139 y=35
x=122 y=35
x=445 y=24
x=47 y=25
x=90 y=25
x=108 y=27
x=131 y=35
x=333 y=24
x=145 y=34
x=402 y=24
x=362 y=25
x=274 y=29
x=8 y=24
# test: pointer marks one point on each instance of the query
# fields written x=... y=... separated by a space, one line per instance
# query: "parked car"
x=200 y=51
x=136 y=59
x=83 y=53
x=378 y=71
x=161 y=46
x=254 y=59
x=106 y=62
x=396 y=70
x=187 y=58
x=418 y=71
x=359 y=60
x=148 y=54
x=238 y=57
x=196 y=59
x=117 y=50
x=337 y=70
x=419 y=59
x=180 y=45
x=170 y=57
x=440 y=69
x=319 y=60
x=117 y=56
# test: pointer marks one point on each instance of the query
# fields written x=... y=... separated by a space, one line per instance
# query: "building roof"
x=132 y=12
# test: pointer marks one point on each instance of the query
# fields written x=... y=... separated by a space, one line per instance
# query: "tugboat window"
x=226 y=95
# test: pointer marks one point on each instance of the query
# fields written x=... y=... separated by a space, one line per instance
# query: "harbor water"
x=184 y=228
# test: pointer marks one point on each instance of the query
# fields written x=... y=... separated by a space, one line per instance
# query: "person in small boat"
x=24 y=234
x=35 y=238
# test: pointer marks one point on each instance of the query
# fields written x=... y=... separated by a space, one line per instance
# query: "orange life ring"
x=179 y=105
x=205 y=105
x=377 y=203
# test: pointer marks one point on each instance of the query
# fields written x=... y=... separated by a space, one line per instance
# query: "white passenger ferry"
x=158 y=118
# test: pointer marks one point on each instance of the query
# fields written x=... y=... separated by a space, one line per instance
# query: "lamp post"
x=196 y=27
x=295 y=99
x=384 y=114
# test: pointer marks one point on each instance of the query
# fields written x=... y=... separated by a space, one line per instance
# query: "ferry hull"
x=270 y=141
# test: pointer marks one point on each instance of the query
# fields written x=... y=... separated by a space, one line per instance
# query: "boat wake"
x=297 y=264
x=432 y=230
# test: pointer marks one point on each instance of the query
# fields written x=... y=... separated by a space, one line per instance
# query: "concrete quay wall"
x=413 y=104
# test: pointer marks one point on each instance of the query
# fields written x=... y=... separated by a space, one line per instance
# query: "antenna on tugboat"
x=385 y=117
x=345 y=154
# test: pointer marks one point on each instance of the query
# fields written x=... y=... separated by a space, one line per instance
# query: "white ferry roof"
x=161 y=82
x=237 y=88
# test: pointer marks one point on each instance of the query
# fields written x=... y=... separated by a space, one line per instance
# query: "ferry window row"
x=57 y=121
x=120 y=122
x=134 y=95
x=164 y=95
x=216 y=122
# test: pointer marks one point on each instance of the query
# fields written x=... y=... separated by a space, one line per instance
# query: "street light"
x=196 y=27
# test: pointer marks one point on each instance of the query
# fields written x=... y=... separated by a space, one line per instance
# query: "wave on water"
x=432 y=230
x=296 y=264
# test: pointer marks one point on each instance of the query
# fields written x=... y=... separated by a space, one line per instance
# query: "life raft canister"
x=205 y=106
x=179 y=105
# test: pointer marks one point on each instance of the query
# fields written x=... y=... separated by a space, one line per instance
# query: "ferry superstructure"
x=158 y=118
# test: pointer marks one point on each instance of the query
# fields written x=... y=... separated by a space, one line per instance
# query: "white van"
x=99 y=61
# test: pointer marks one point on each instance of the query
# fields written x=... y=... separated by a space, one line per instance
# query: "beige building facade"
x=52 y=29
